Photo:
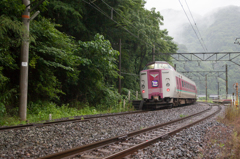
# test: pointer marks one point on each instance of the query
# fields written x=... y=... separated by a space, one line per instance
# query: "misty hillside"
x=219 y=30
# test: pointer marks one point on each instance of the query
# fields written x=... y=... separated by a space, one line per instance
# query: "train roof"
x=156 y=62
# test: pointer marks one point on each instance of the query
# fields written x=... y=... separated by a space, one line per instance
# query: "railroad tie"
x=104 y=151
x=89 y=157
x=127 y=144
x=140 y=139
x=115 y=146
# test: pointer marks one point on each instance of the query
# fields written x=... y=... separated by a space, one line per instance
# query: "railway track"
x=76 y=119
x=121 y=146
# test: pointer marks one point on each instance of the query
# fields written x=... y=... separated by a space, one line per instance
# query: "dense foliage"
x=74 y=49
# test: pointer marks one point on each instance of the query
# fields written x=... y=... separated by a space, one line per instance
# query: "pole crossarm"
x=209 y=56
x=200 y=71
x=203 y=73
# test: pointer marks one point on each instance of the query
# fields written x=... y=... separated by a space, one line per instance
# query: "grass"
x=232 y=119
x=39 y=112
x=204 y=100
x=225 y=140
x=182 y=115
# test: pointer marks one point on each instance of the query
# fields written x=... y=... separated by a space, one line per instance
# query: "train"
x=162 y=85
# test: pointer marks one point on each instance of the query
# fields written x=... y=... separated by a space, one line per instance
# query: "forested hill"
x=74 y=50
x=219 y=30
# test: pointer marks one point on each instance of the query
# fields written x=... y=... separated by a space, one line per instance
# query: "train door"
x=177 y=88
x=180 y=87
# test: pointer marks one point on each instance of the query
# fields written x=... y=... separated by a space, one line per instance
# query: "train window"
x=149 y=67
x=162 y=66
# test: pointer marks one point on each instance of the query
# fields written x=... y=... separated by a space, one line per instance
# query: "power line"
x=92 y=4
x=101 y=11
x=118 y=14
x=192 y=25
x=196 y=25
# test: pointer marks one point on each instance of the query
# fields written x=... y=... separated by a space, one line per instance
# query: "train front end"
x=155 y=81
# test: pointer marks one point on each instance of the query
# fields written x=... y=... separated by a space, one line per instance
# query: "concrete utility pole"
x=206 y=85
x=153 y=55
x=236 y=95
x=24 y=62
x=226 y=81
x=24 y=58
x=119 y=67
x=218 y=90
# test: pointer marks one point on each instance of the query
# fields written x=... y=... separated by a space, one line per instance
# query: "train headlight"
x=143 y=86
x=143 y=82
x=167 y=80
x=168 y=84
x=168 y=90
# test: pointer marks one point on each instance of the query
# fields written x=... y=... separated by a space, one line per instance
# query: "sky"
x=200 y=7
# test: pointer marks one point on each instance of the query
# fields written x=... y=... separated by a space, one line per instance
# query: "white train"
x=160 y=84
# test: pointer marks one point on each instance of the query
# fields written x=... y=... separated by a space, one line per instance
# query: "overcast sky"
x=198 y=6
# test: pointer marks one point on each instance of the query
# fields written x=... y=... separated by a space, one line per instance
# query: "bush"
x=2 y=110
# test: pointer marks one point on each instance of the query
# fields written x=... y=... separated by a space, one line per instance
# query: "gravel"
x=187 y=144
x=36 y=142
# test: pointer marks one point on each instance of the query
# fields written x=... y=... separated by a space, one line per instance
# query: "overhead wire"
x=192 y=25
x=196 y=25
x=92 y=4
x=101 y=11
x=118 y=13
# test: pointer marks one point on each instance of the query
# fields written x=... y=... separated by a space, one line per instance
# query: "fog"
x=203 y=12
x=175 y=21
x=199 y=7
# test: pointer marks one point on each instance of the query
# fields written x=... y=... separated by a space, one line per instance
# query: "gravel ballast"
x=190 y=143
x=35 y=142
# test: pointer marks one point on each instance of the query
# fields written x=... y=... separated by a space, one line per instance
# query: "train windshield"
x=158 y=66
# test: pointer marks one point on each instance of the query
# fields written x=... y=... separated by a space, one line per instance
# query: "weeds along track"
x=125 y=145
x=67 y=120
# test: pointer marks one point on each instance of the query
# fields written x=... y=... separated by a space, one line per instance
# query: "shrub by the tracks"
x=39 y=111
x=232 y=118
x=224 y=141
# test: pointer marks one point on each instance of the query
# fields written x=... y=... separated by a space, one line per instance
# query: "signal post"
x=236 y=95
x=235 y=86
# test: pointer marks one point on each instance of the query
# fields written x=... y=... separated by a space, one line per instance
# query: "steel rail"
x=77 y=150
x=77 y=119
x=150 y=142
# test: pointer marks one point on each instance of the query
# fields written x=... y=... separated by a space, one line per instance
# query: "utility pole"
x=226 y=82
x=24 y=58
x=236 y=95
x=24 y=62
x=206 y=85
x=153 y=55
x=218 y=90
x=119 y=67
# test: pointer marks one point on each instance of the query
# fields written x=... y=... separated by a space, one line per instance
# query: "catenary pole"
x=24 y=63
x=206 y=85
x=153 y=55
x=226 y=81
